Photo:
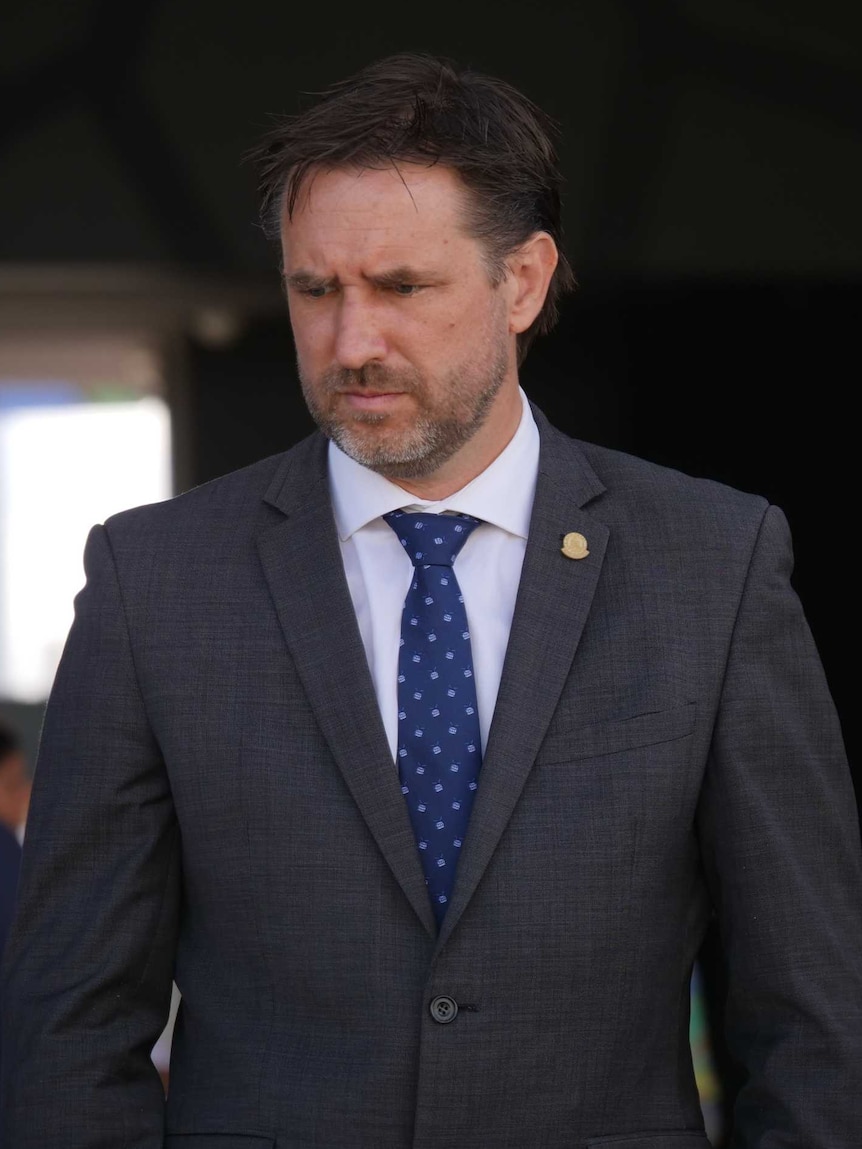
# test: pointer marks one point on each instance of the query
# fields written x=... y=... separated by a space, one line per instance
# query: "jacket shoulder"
x=237 y=499
x=636 y=487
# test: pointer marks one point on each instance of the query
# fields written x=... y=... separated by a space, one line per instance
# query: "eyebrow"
x=405 y=275
x=304 y=280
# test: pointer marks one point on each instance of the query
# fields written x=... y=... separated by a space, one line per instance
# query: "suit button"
x=444 y=1009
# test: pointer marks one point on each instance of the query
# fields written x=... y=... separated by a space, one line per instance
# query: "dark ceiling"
x=700 y=138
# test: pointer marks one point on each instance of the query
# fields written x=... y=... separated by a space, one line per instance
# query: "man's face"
x=403 y=342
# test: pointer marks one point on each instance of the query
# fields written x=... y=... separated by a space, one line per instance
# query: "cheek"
x=457 y=327
x=470 y=331
x=311 y=333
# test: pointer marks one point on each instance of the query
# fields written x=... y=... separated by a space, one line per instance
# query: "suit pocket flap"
x=673 y=1139
x=218 y=1141
x=614 y=737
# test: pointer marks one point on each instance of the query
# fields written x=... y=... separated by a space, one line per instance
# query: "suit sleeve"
x=89 y=963
x=780 y=841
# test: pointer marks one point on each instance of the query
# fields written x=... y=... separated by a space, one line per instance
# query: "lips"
x=372 y=380
x=366 y=394
x=371 y=401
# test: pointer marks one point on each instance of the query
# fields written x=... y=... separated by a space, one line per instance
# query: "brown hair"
x=421 y=109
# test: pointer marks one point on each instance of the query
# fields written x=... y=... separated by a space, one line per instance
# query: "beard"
x=448 y=413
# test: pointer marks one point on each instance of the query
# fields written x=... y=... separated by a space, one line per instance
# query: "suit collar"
x=300 y=479
x=564 y=465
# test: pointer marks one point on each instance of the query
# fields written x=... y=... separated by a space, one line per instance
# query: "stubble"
x=448 y=413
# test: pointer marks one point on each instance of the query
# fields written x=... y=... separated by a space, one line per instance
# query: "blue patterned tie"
x=439 y=747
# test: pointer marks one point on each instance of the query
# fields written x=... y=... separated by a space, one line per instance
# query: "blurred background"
x=712 y=156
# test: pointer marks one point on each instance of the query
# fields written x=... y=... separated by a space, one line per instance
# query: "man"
x=10 y=865
x=15 y=783
x=14 y=800
x=433 y=878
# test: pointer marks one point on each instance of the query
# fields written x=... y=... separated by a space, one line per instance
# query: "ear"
x=530 y=269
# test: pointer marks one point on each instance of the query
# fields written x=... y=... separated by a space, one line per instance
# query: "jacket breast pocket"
x=672 y=1139
x=218 y=1141
x=569 y=744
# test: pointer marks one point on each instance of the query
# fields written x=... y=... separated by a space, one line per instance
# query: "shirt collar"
x=502 y=494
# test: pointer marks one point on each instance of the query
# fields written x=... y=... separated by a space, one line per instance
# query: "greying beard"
x=431 y=441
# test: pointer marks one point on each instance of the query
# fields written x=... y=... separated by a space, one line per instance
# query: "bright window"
x=63 y=467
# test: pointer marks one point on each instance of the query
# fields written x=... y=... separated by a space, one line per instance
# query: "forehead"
x=409 y=207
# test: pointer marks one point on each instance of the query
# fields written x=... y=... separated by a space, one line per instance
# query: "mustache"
x=371 y=377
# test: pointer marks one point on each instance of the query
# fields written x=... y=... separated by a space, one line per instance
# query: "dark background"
x=711 y=149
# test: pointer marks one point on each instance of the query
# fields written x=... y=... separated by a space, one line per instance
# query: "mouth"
x=368 y=400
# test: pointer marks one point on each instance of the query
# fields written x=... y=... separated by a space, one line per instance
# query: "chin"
x=391 y=457
x=369 y=450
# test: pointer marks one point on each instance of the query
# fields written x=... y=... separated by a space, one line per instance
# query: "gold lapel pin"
x=574 y=545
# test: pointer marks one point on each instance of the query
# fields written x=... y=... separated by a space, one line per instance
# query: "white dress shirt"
x=488 y=567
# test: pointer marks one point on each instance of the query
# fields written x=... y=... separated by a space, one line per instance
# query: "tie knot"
x=431 y=540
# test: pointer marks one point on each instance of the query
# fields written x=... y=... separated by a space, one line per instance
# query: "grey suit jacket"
x=215 y=800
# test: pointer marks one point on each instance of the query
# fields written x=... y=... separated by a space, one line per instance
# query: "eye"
x=315 y=292
x=406 y=288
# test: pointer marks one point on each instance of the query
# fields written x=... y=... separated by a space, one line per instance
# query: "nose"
x=359 y=337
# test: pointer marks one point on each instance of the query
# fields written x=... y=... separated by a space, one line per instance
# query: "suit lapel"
x=553 y=602
x=302 y=563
